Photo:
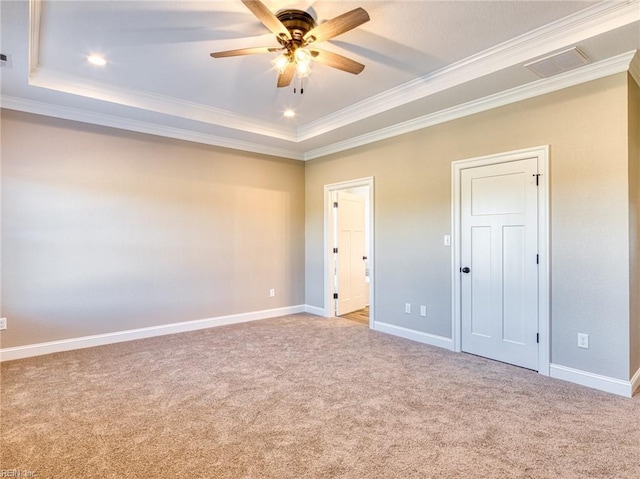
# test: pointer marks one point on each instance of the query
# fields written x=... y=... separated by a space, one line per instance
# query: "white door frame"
x=328 y=244
x=544 y=317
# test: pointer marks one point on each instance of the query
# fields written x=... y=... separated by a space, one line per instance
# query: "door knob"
x=465 y=270
x=364 y=258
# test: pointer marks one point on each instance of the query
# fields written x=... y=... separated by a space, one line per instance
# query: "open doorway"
x=349 y=278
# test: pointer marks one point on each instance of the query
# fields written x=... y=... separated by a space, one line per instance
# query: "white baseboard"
x=584 y=378
x=596 y=381
x=39 y=349
x=635 y=381
x=414 y=335
x=314 y=310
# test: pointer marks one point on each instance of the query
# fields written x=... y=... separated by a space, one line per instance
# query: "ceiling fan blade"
x=338 y=25
x=245 y=51
x=284 y=79
x=267 y=18
x=337 y=61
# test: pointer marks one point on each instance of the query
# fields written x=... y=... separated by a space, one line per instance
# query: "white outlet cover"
x=583 y=340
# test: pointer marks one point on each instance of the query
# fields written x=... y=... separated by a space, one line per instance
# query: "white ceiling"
x=426 y=62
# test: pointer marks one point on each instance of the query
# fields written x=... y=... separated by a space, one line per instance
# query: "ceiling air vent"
x=558 y=63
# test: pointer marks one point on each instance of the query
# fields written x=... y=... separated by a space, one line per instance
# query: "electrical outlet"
x=423 y=310
x=3 y=324
x=583 y=340
x=407 y=308
x=272 y=293
x=6 y=60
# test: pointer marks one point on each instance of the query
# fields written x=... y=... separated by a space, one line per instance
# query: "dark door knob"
x=465 y=270
x=364 y=258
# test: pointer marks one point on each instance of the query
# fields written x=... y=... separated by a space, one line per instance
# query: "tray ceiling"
x=426 y=62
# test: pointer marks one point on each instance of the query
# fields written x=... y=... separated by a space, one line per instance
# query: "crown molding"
x=634 y=68
x=74 y=114
x=626 y=62
x=587 y=23
x=45 y=77
x=593 y=71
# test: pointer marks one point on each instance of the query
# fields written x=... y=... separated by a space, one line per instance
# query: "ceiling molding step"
x=35 y=14
x=45 y=77
x=568 y=31
x=593 y=71
x=48 y=78
x=634 y=68
x=587 y=23
x=121 y=123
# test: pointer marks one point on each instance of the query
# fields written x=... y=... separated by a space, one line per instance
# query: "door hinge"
x=537 y=259
x=335 y=295
x=335 y=204
x=335 y=250
x=537 y=337
x=537 y=175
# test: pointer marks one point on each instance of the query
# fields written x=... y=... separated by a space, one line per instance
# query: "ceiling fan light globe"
x=280 y=63
x=303 y=70
x=303 y=56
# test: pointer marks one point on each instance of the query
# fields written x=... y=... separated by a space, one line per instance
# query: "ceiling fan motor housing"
x=297 y=22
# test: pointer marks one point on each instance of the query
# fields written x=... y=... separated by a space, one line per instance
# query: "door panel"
x=344 y=264
x=499 y=244
x=497 y=195
x=513 y=283
x=481 y=296
x=351 y=267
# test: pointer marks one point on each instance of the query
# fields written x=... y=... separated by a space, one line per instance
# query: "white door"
x=499 y=256
x=351 y=284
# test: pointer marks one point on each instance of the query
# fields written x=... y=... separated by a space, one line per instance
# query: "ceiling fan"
x=297 y=33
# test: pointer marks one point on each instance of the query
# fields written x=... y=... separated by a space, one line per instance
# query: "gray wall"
x=105 y=230
x=586 y=128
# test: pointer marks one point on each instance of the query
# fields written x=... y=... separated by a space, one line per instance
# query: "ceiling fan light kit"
x=281 y=62
x=295 y=31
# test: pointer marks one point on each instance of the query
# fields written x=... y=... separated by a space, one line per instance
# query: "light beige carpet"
x=304 y=397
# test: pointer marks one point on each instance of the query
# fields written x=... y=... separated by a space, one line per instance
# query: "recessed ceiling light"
x=289 y=113
x=97 y=60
